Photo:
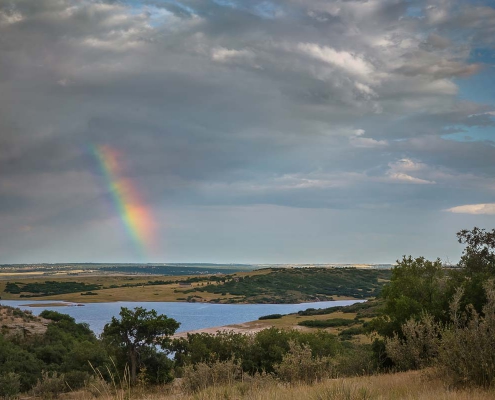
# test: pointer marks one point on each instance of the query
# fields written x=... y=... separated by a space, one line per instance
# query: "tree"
x=417 y=285
x=479 y=254
x=138 y=330
x=477 y=265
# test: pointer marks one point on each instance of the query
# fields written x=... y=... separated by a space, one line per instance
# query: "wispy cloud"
x=476 y=209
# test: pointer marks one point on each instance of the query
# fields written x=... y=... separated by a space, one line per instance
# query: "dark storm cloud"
x=307 y=104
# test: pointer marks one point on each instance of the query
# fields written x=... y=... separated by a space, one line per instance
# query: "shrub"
x=270 y=316
x=298 y=365
x=10 y=385
x=467 y=356
x=419 y=345
x=97 y=386
x=75 y=379
x=356 y=361
x=50 y=385
x=328 y=323
x=350 y=332
x=203 y=375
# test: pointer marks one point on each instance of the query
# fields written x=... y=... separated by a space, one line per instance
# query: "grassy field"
x=417 y=385
x=292 y=321
x=282 y=285
x=138 y=289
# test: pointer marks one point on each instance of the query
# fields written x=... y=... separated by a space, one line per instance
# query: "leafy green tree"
x=476 y=266
x=479 y=254
x=417 y=285
x=138 y=330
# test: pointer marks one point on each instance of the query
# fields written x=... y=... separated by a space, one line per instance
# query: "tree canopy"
x=139 y=330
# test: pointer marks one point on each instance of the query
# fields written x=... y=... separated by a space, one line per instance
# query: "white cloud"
x=400 y=177
x=401 y=172
x=406 y=165
x=365 y=89
x=349 y=62
x=367 y=142
x=356 y=140
x=475 y=209
x=222 y=54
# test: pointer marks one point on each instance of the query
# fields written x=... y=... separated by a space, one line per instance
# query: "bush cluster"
x=328 y=323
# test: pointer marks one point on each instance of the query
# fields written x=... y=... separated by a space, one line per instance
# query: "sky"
x=244 y=131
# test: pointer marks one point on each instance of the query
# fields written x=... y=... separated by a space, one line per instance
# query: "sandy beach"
x=248 y=328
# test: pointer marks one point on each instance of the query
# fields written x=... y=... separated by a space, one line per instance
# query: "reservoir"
x=191 y=316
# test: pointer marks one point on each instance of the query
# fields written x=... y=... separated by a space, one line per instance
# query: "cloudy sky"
x=244 y=130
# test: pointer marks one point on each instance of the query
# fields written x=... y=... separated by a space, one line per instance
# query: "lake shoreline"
x=70 y=303
x=193 y=317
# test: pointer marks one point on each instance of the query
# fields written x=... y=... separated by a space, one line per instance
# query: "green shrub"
x=75 y=379
x=418 y=346
x=271 y=316
x=10 y=385
x=356 y=361
x=327 y=323
x=260 y=352
x=467 y=354
x=350 y=332
x=298 y=365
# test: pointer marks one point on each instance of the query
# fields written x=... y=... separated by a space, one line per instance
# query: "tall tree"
x=416 y=286
x=477 y=265
x=137 y=330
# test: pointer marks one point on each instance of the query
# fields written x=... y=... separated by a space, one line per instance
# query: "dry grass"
x=408 y=385
x=290 y=321
x=138 y=293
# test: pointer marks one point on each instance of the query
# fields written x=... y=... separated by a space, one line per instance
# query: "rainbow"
x=134 y=214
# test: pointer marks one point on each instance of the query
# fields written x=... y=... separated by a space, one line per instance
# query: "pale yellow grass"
x=171 y=292
x=19 y=274
x=291 y=321
x=407 y=386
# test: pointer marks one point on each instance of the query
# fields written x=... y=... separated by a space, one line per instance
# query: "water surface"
x=190 y=315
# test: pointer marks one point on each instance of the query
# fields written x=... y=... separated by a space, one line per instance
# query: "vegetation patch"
x=365 y=309
x=328 y=323
x=294 y=285
x=271 y=316
x=48 y=288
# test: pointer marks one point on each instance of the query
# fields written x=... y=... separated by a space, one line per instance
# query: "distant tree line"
x=48 y=288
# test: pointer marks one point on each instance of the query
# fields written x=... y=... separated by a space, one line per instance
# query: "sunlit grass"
x=408 y=385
